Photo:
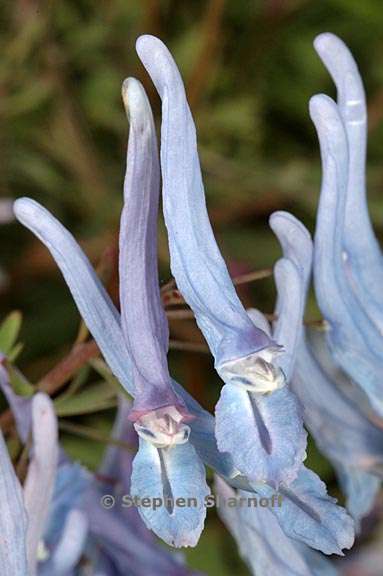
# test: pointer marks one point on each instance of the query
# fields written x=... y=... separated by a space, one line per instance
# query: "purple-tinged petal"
x=308 y=514
x=261 y=541
x=92 y=300
x=259 y=320
x=361 y=490
x=196 y=262
x=360 y=244
x=168 y=477
x=142 y=316
x=13 y=519
x=20 y=406
x=353 y=339
x=39 y=483
x=263 y=433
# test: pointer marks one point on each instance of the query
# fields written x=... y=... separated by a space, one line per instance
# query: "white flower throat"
x=163 y=428
x=255 y=372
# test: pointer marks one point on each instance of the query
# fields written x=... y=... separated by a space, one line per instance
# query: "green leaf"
x=9 y=331
x=19 y=383
x=93 y=398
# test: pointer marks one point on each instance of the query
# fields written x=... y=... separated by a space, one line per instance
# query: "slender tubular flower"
x=364 y=260
x=245 y=356
x=351 y=341
x=158 y=412
x=346 y=284
x=166 y=465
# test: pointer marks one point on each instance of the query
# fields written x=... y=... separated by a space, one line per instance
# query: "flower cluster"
x=276 y=377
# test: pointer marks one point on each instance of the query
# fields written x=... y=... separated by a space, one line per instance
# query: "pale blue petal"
x=360 y=243
x=93 y=302
x=70 y=547
x=355 y=342
x=308 y=514
x=196 y=262
x=263 y=433
x=289 y=311
x=261 y=541
x=295 y=240
x=170 y=474
x=292 y=279
x=143 y=319
x=203 y=436
x=71 y=482
x=39 y=483
x=361 y=490
x=334 y=152
x=333 y=414
x=13 y=519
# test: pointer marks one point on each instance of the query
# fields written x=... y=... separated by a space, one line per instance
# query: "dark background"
x=250 y=69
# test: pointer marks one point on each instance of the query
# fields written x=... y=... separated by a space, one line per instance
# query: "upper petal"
x=196 y=262
x=355 y=342
x=361 y=246
x=142 y=317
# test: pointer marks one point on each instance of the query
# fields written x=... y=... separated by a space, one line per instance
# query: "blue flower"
x=258 y=419
x=119 y=537
x=338 y=374
x=258 y=424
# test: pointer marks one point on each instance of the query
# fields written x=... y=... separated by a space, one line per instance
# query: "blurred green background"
x=250 y=69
